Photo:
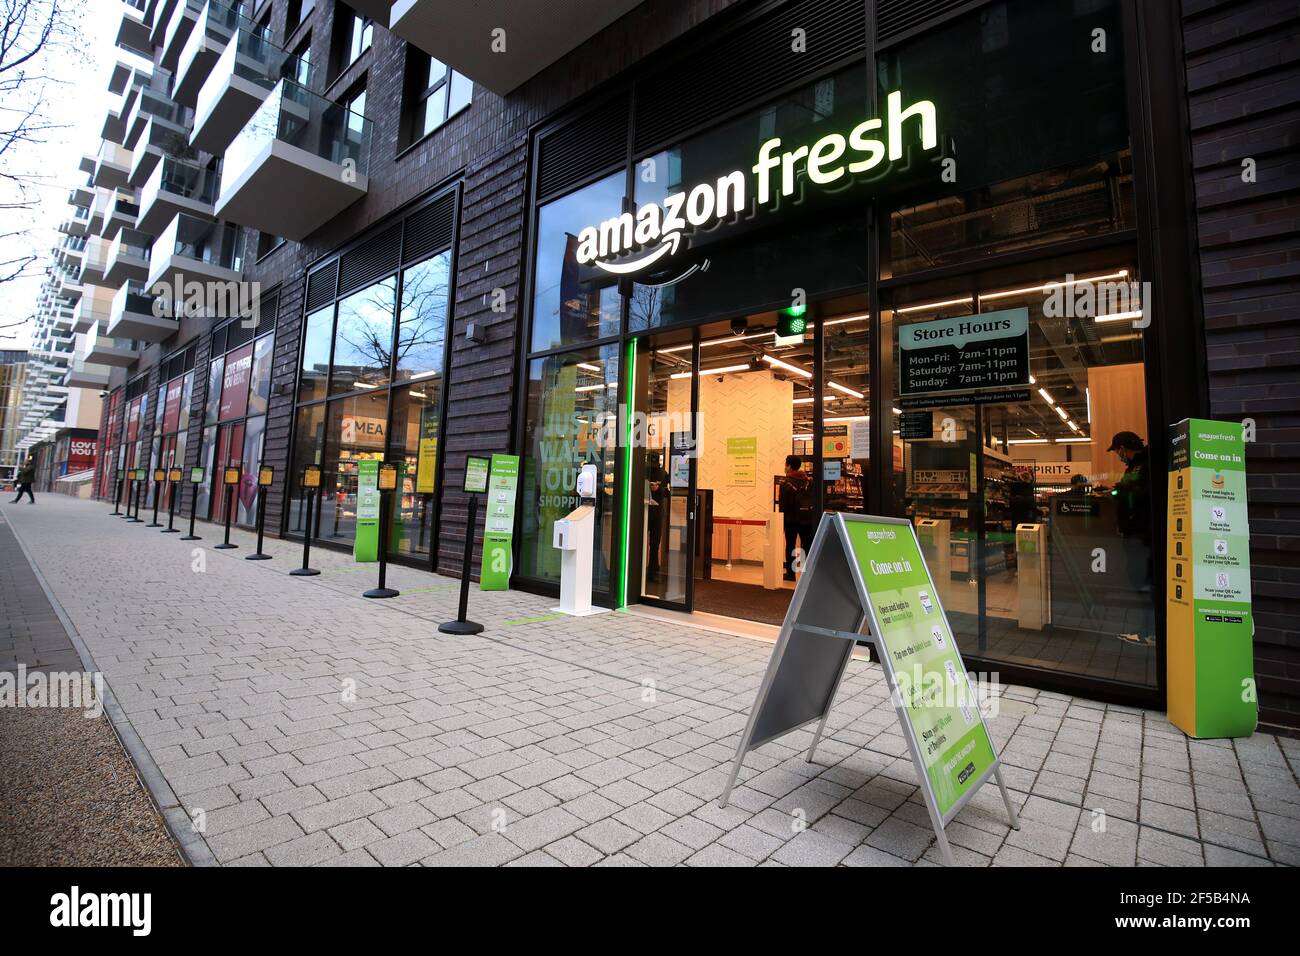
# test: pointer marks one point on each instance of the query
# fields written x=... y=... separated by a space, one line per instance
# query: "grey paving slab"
x=315 y=727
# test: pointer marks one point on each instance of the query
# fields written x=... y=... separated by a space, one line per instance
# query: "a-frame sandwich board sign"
x=865 y=578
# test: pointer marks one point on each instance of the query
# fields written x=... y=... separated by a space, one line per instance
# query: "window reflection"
x=363 y=339
x=573 y=304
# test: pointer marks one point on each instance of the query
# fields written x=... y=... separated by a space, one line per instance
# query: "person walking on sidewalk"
x=23 y=484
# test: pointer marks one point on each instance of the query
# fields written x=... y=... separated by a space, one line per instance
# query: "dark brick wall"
x=486 y=149
x=1243 y=85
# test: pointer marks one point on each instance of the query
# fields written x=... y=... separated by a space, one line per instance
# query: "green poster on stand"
x=935 y=696
x=865 y=578
x=1211 y=654
x=366 y=545
x=499 y=523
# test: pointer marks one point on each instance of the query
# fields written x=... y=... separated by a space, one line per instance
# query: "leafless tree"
x=34 y=35
x=365 y=325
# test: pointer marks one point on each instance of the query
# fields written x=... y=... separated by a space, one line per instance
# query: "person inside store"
x=659 y=493
x=1133 y=496
x=1078 y=487
x=23 y=483
x=1021 y=499
x=796 y=503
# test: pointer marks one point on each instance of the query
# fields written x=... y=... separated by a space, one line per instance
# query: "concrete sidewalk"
x=299 y=723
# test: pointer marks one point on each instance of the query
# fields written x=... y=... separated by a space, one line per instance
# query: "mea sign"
x=659 y=229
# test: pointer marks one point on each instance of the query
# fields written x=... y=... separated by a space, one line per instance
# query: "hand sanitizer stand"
x=575 y=538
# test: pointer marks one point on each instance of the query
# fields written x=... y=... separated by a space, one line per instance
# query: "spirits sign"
x=964 y=354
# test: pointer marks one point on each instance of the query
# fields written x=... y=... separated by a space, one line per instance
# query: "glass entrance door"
x=663 y=472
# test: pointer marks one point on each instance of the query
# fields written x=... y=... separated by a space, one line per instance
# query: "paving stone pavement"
x=305 y=725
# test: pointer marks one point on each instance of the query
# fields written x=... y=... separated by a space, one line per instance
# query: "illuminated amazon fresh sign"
x=629 y=242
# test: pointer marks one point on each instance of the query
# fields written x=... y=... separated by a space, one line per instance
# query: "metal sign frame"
x=818 y=667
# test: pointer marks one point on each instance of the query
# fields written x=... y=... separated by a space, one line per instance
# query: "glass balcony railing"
x=132 y=299
x=130 y=244
x=253 y=56
x=216 y=244
x=294 y=115
x=160 y=105
x=199 y=181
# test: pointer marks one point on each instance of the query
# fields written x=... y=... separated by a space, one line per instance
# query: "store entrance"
x=722 y=487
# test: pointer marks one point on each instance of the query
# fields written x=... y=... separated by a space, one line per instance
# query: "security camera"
x=103 y=394
x=738 y=326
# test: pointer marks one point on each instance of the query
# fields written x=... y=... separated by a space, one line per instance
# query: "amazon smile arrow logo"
x=659 y=227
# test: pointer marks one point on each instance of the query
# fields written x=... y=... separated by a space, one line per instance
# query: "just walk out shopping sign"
x=866 y=579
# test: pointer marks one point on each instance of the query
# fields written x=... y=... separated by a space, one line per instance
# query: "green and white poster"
x=866 y=577
x=499 y=523
x=934 y=694
x=1211 y=675
x=366 y=545
x=742 y=461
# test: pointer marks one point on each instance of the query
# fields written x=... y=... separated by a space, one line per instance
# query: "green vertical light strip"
x=627 y=471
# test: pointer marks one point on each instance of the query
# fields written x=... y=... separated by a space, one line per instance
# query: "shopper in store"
x=1133 y=495
x=660 y=492
x=23 y=484
x=796 y=503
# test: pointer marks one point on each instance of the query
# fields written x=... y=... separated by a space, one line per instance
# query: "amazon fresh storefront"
x=924 y=265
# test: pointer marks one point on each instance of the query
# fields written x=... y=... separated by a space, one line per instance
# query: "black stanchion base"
x=381 y=593
x=461 y=627
x=224 y=547
x=154 y=524
x=171 y=530
x=191 y=537
x=135 y=521
x=259 y=556
x=304 y=572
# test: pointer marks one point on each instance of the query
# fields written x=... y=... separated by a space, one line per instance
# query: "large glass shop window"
x=1037 y=146
x=572 y=421
x=358 y=352
x=749 y=254
x=1021 y=446
x=239 y=388
x=573 y=303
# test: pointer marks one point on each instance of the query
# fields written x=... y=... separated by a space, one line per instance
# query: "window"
x=298 y=68
x=434 y=94
x=299 y=10
x=572 y=408
x=572 y=305
x=353 y=36
x=351 y=407
x=363 y=340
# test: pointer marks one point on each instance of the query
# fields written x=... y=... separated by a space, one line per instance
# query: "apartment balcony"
x=299 y=162
x=195 y=250
x=238 y=83
x=114 y=129
x=122 y=214
x=178 y=186
x=114 y=166
x=128 y=258
x=93 y=262
x=133 y=31
x=91 y=310
x=162 y=18
x=83 y=374
x=82 y=195
x=218 y=22
x=156 y=105
x=135 y=315
x=458 y=33
x=104 y=349
x=128 y=63
x=160 y=138
x=181 y=25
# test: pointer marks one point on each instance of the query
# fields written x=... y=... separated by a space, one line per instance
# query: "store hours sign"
x=964 y=354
